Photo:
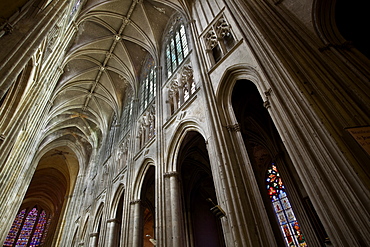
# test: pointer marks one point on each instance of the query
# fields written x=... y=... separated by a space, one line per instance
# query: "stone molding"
x=135 y=202
x=94 y=234
x=233 y=127
x=171 y=174
x=113 y=220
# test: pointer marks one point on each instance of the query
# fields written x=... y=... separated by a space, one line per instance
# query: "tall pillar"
x=176 y=212
x=94 y=237
x=112 y=238
x=136 y=223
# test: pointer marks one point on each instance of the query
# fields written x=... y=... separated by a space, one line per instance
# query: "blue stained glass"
x=288 y=223
x=15 y=229
x=45 y=231
x=27 y=228
x=39 y=230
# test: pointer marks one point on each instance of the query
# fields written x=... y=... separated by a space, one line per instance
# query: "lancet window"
x=29 y=228
x=177 y=48
x=148 y=85
x=289 y=225
x=219 y=39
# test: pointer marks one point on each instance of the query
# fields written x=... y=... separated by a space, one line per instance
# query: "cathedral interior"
x=173 y=123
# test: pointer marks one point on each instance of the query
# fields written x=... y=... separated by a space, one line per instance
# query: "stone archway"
x=202 y=215
x=264 y=147
x=48 y=191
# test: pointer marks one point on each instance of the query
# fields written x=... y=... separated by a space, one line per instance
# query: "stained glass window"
x=36 y=239
x=176 y=49
x=148 y=86
x=46 y=231
x=28 y=229
x=288 y=223
x=12 y=235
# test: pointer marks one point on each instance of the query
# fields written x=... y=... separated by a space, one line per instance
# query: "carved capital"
x=8 y=28
x=113 y=221
x=171 y=174
x=347 y=45
x=268 y=92
x=94 y=234
x=135 y=202
x=233 y=127
x=266 y=104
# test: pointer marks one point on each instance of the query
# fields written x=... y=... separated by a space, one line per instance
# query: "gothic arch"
x=137 y=187
x=259 y=144
x=83 y=235
x=98 y=217
x=54 y=174
x=120 y=191
x=177 y=139
x=15 y=94
x=201 y=214
x=328 y=17
x=228 y=80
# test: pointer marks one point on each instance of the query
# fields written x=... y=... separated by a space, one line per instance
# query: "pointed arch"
x=243 y=99
x=176 y=140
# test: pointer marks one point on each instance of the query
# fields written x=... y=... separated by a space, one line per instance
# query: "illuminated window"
x=28 y=229
x=13 y=233
x=177 y=49
x=288 y=223
x=148 y=85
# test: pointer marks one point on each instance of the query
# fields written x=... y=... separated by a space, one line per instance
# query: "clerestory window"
x=148 y=87
x=176 y=49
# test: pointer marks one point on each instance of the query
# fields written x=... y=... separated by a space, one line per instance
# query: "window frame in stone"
x=219 y=39
x=148 y=88
x=176 y=48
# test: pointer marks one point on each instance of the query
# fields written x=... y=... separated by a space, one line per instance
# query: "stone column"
x=94 y=237
x=176 y=212
x=181 y=95
x=112 y=230
x=168 y=112
x=175 y=101
x=136 y=222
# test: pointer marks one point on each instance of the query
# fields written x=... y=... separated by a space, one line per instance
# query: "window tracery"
x=148 y=85
x=177 y=47
x=287 y=221
x=29 y=228
x=181 y=88
x=219 y=39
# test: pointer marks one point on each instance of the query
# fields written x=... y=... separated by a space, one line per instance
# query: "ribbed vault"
x=102 y=67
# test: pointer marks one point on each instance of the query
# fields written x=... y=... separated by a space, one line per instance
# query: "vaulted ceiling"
x=102 y=66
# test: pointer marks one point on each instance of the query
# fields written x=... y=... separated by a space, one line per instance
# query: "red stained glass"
x=12 y=235
x=288 y=223
x=27 y=227
x=28 y=230
x=39 y=230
